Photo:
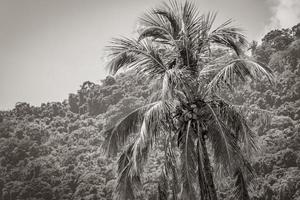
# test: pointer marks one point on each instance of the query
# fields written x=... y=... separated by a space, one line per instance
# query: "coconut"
x=193 y=106
x=195 y=116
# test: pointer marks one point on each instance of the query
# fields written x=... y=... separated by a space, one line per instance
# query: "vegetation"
x=180 y=52
x=54 y=151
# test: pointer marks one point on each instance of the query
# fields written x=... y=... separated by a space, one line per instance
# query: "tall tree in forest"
x=191 y=64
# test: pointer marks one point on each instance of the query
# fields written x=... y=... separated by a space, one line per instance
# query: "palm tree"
x=192 y=64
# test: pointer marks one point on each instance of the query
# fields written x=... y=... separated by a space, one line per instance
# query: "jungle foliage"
x=53 y=151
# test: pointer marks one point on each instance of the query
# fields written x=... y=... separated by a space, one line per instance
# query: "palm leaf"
x=225 y=35
x=142 y=56
x=162 y=23
x=117 y=136
x=191 y=19
x=132 y=160
x=240 y=191
x=239 y=70
x=155 y=32
x=171 y=168
x=231 y=128
x=153 y=124
x=235 y=120
x=127 y=183
x=120 y=54
x=175 y=79
x=162 y=189
x=224 y=142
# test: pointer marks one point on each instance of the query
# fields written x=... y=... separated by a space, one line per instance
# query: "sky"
x=48 y=48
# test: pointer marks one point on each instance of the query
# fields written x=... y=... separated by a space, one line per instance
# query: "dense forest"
x=54 y=151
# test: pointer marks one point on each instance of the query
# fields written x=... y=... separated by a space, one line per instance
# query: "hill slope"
x=53 y=151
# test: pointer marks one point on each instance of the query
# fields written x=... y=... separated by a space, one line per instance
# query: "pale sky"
x=48 y=48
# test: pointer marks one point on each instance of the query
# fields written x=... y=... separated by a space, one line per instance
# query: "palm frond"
x=173 y=79
x=224 y=35
x=155 y=18
x=171 y=168
x=239 y=70
x=162 y=188
x=165 y=17
x=252 y=112
x=237 y=123
x=162 y=22
x=155 y=32
x=154 y=123
x=229 y=38
x=122 y=54
x=132 y=160
x=117 y=136
x=224 y=142
x=207 y=23
x=127 y=184
x=240 y=191
x=172 y=18
x=150 y=64
x=129 y=53
x=188 y=34
x=227 y=139
x=191 y=19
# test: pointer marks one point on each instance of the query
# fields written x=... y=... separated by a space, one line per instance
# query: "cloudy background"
x=49 y=47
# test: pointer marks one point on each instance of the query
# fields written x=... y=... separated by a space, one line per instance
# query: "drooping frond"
x=240 y=191
x=224 y=142
x=156 y=33
x=154 y=122
x=239 y=70
x=150 y=64
x=170 y=167
x=229 y=37
x=127 y=183
x=252 y=112
x=132 y=160
x=236 y=122
x=117 y=136
x=162 y=188
x=224 y=35
x=123 y=53
x=156 y=18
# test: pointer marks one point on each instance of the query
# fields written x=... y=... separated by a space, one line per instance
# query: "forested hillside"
x=54 y=151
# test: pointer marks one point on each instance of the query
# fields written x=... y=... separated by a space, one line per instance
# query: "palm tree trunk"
x=201 y=178
x=175 y=184
x=207 y=169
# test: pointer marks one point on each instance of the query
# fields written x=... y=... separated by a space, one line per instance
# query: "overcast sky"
x=48 y=48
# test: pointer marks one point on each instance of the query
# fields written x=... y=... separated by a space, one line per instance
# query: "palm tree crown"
x=191 y=64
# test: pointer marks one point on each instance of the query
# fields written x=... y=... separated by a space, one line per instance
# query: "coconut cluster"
x=191 y=111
